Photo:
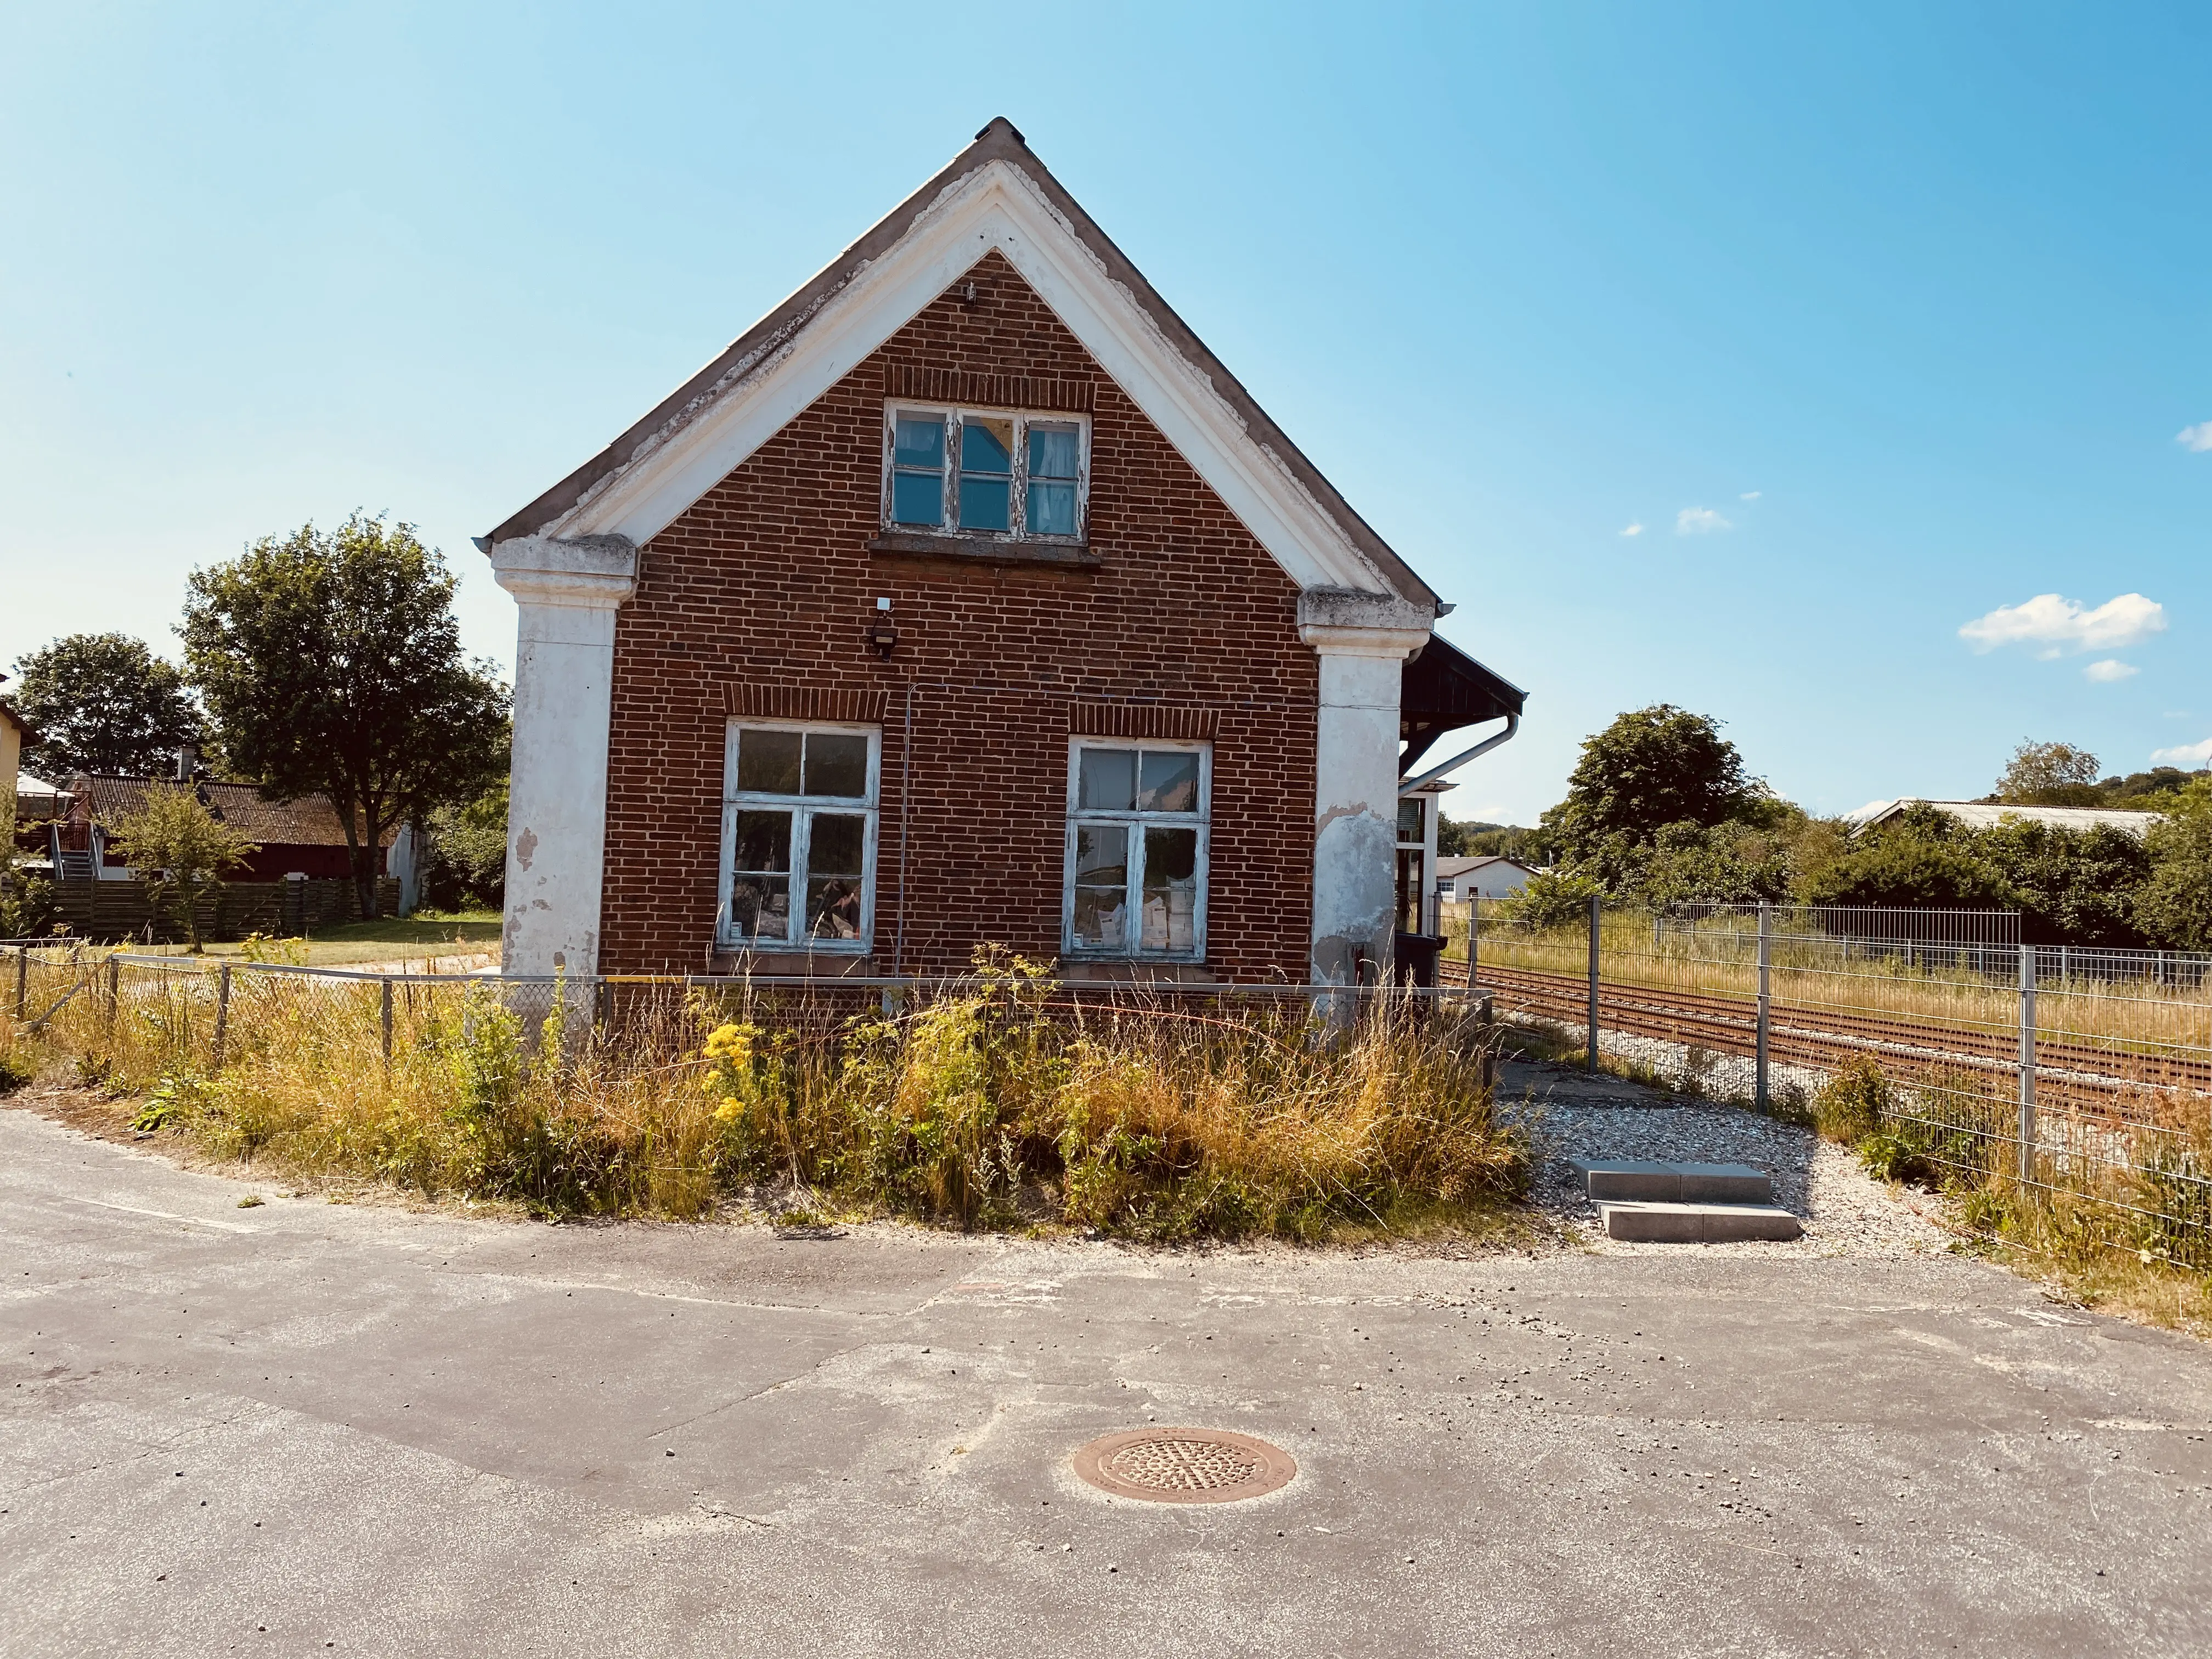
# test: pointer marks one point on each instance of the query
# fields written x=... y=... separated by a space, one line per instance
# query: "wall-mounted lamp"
x=882 y=633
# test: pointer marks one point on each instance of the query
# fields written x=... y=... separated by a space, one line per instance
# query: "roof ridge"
x=998 y=141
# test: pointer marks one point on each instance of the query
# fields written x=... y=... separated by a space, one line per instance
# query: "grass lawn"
x=389 y=938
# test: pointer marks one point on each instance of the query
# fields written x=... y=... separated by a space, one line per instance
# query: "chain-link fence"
x=1162 y=1109
x=2082 y=1077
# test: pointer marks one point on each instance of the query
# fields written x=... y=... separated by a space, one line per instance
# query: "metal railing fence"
x=145 y=1015
x=1981 y=1064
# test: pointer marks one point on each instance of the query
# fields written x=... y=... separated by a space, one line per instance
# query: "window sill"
x=1123 y=970
x=985 y=549
x=849 y=963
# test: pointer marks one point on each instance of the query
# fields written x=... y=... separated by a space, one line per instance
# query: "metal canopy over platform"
x=1442 y=689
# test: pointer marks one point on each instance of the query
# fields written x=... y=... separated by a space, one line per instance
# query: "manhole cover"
x=1184 y=1466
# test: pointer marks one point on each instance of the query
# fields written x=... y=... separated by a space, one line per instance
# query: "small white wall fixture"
x=1363 y=640
x=566 y=594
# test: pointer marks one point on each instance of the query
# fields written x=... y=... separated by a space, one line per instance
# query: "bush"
x=1855 y=1104
x=1552 y=898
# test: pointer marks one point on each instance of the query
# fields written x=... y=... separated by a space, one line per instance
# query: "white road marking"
x=194 y=1220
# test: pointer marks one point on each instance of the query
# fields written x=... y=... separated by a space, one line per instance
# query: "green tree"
x=2072 y=886
x=180 y=849
x=104 y=703
x=2174 y=905
x=467 y=852
x=331 y=662
x=26 y=901
x=2050 y=774
x=1650 y=767
x=1911 y=872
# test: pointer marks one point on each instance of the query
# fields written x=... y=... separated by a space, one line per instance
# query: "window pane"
x=836 y=764
x=984 y=503
x=1052 y=454
x=1108 y=780
x=1170 y=782
x=1409 y=818
x=918 y=498
x=1052 y=509
x=834 y=844
x=986 y=445
x=1099 y=913
x=1171 y=920
x=760 y=907
x=763 y=841
x=919 y=443
x=767 y=763
x=833 y=906
x=1102 y=855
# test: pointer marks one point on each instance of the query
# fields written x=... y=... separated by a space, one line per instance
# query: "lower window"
x=799 y=837
x=1137 y=834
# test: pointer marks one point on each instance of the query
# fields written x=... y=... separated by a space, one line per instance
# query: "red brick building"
x=967 y=598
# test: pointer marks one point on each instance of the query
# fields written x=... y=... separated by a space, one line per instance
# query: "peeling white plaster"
x=566 y=594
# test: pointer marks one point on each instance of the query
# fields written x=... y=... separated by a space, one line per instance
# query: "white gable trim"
x=995 y=206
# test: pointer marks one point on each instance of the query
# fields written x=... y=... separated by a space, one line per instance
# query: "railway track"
x=2070 y=1075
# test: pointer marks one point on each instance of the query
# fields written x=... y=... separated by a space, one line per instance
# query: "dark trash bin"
x=1415 y=956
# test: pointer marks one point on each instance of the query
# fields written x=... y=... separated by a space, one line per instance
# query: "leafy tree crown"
x=1650 y=767
x=103 y=703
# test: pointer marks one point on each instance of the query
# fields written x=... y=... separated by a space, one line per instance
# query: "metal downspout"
x=1512 y=724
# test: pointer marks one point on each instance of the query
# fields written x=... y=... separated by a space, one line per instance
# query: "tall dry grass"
x=999 y=1100
x=2129 y=1017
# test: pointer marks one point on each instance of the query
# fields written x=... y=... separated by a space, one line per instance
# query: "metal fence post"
x=1590 y=1063
x=1766 y=1009
x=384 y=1016
x=1474 y=927
x=2027 y=1062
x=221 y=1015
x=22 y=980
x=114 y=988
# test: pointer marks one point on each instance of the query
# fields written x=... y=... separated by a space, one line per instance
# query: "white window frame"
x=1201 y=820
x=1018 y=504
x=802 y=808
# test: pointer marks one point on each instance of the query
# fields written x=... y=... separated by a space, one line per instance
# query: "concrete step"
x=1642 y=1181
x=1696 y=1223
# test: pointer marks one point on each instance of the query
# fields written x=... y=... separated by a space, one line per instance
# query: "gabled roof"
x=310 y=821
x=995 y=194
x=1451 y=868
x=1987 y=815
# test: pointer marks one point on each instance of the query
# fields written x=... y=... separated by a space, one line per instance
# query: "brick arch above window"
x=857 y=705
x=1060 y=394
x=1142 y=720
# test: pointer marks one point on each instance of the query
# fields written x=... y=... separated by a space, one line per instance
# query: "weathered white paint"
x=1362 y=642
x=404 y=864
x=998 y=206
x=566 y=594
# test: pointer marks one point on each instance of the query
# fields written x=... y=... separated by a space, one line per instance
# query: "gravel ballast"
x=1846 y=1212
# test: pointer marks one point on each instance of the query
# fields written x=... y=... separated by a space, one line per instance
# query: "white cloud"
x=2196 y=440
x=2067 y=624
x=1699 y=521
x=2110 y=669
x=2188 y=754
x=1633 y=529
x=1750 y=495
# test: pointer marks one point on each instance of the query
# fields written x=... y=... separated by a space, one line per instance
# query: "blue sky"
x=1911 y=302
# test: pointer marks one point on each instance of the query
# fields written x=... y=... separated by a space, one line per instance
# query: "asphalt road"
x=307 y=1428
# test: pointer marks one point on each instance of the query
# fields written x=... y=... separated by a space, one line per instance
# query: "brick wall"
x=757 y=596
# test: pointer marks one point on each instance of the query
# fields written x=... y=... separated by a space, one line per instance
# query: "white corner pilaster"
x=566 y=594
x=1363 y=640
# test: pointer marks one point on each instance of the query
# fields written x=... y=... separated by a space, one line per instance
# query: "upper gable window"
x=981 y=472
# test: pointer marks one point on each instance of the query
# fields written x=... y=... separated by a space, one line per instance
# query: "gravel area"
x=1846 y=1212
